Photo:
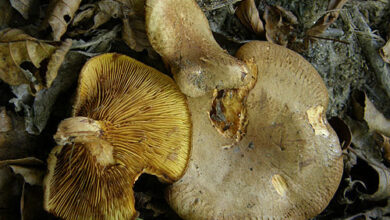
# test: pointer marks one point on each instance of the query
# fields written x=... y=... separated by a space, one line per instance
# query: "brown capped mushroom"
x=128 y=119
x=288 y=164
x=179 y=31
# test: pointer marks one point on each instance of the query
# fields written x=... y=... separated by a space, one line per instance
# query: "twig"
x=331 y=39
x=218 y=5
x=367 y=160
x=370 y=47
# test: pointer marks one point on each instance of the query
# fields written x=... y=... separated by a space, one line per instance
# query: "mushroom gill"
x=128 y=119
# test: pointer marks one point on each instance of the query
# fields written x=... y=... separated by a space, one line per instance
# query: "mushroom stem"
x=86 y=131
x=78 y=130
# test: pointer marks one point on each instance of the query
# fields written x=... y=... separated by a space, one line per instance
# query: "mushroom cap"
x=179 y=31
x=128 y=119
x=289 y=163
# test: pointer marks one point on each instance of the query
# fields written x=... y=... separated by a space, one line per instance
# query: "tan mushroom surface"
x=288 y=164
x=128 y=119
x=179 y=31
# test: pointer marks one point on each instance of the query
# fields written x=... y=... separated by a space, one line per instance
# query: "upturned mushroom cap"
x=128 y=119
x=288 y=165
x=179 y=31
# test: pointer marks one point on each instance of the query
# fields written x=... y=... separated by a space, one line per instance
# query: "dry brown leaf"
x=85 y=14
x=375 y=119
x=326 y=20
x=104 y=10
x=249 y=16
x=385 y=52
x=16 y=49
x=342 y=130
x=279 y=25
x=30 y=168
x=23 y=6
x=364 y=109
x=31 y=176
x=60 y=15
x=25 y=59
x=107 y=9
x=26 y=162
x=134 y=34
x=55 y=61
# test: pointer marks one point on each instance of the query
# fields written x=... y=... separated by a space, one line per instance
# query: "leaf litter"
x=344 y=40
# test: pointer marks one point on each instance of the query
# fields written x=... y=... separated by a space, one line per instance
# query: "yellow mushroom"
x=128 y=119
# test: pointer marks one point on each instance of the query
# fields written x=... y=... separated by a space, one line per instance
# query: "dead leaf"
x=102 y=11
x=326 y=20
x=10 y=191
x=6 y=13
x=37 y=114
x=134 y=34
x=26 y=162
x=56 y=61
x=25 y=59
x=384 y=142
x=5 y=121
x=375 y=119
x=106 y=10
x=31 y=176
x=383 y=186
x=249 y=16
x=31 y=203
x=279 y=25
x=16 y=142
x=385 y=52
x=30 y=168
x=23 y=6
x=342 y=130
x=86 y=13
x=60 y=14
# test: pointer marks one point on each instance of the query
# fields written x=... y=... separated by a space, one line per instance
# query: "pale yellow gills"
x=128 y=119
x=288 y=164
x=179 y=31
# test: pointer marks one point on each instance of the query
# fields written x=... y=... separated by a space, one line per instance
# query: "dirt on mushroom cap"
x=144 y=123
x=281 y=168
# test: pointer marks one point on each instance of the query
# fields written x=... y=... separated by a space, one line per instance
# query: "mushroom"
x=127 y=119
x=179 y=31
x=288 y=163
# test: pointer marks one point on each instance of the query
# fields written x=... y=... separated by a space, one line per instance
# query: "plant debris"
x=385 y=52
x=279 y=25
x=249 y=15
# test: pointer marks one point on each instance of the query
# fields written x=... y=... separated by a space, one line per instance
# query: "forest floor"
x=346 y=55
